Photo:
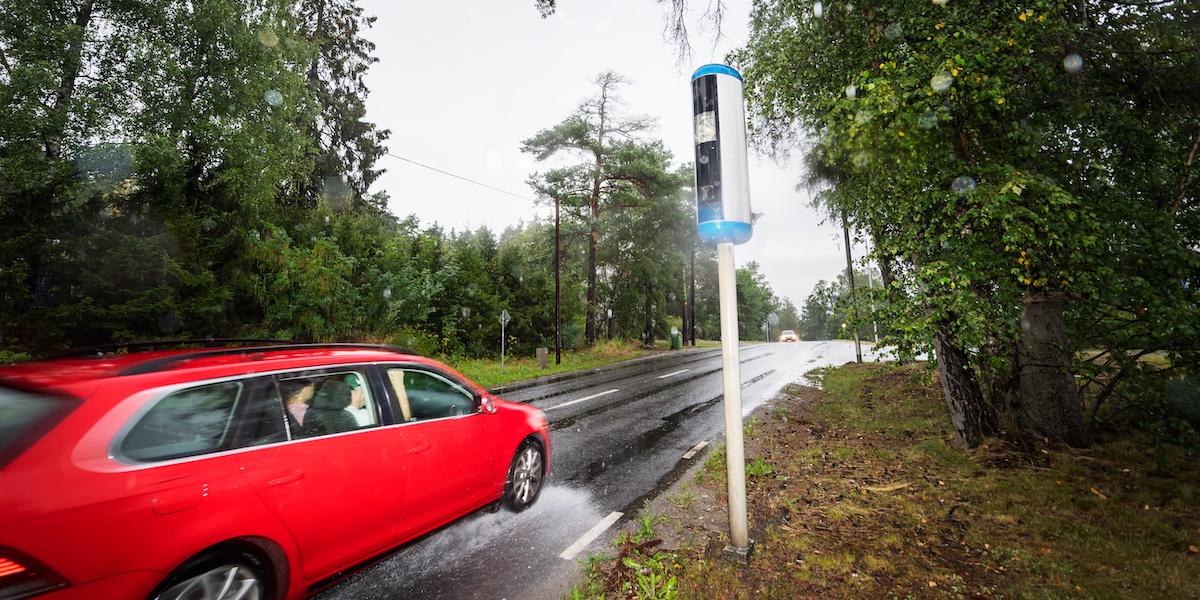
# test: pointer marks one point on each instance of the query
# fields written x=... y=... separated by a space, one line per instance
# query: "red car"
x=256 y=472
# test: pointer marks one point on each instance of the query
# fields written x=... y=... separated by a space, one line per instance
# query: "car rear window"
x=23 y=417
x=185 y=423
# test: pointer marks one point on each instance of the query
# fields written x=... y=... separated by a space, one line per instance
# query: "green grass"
x=488 y=372
x=759 y=468
x=666 y=344
x=714 y=466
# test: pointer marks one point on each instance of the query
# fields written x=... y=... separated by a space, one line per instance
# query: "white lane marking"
x=695 y=449
x=584 y=399
x=673 y=374
x=574 y=549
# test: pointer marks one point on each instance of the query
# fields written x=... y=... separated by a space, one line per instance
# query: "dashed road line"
x=698 y=447
x=574 y=549
x=673 y=374
x=584 y=399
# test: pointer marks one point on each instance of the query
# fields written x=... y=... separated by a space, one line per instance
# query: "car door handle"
x=421 y=447
x=296 y=475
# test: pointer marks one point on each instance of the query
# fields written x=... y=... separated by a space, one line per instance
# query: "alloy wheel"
x=527 y=476
x=226 y=582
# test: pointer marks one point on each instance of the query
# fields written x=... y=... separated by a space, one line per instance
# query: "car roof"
x=56 y=372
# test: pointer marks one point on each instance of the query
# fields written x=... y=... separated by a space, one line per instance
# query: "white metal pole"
x=735 y=461
x=502 y=324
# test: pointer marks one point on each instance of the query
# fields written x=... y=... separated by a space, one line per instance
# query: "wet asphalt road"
x=618 y=436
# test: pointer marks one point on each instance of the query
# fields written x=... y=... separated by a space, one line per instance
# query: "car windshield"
x=22 y=415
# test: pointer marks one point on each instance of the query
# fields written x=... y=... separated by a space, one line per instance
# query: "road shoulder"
x=856 y=490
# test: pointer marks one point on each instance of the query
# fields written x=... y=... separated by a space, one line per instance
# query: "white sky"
x=460 y=84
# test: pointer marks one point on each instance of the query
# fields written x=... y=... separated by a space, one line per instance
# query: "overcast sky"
x=460 y=84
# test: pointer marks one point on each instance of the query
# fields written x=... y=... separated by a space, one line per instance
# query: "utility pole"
x=504 y=319
x=871 y=286
x=692 y=301
x=557 y=290
x=850 y=278
x=683 y=308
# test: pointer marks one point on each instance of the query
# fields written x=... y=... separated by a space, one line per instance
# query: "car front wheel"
x=525 y=476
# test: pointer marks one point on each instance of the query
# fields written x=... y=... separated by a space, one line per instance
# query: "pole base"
x=740 y=556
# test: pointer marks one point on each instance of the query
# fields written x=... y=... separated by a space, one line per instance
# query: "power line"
x=466 y=179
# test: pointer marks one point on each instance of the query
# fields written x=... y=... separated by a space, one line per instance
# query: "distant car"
x=256 y=472
x=789 y=336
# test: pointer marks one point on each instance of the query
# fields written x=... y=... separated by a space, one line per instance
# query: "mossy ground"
x=856 y=490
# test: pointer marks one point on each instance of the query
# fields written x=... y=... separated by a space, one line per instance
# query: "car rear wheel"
x=233 y=576
x=525 y=476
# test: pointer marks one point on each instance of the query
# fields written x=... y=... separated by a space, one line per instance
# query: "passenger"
x=328 y=412
x=299 y=394
x=358 y=401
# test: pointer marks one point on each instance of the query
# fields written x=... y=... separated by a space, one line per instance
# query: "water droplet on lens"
x=852 y=91
x=268 y=38
x=703 y=159
x=387 y=293
x=1073 y=63
x=963 y=184
x=893 y=31
x=818 y=10
x=941 y=82
x=927 y=120
x=273 y=97
x=466 y=312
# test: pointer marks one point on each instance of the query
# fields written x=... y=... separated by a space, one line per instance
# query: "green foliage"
x=829 y=306
x=645 y=528
x=994 y=152
x=653 y=577
x=759 y=468
x=173 y=170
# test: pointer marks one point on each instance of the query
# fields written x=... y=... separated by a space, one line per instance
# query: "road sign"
x=505 y=317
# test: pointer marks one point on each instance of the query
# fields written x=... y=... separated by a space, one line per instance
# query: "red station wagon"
x=255 y=472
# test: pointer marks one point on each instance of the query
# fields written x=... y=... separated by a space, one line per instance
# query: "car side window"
x=185 y=423
x=328 y=403
x=261 y=420
x=424 y=395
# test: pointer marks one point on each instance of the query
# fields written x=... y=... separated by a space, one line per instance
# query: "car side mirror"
x=487 y=405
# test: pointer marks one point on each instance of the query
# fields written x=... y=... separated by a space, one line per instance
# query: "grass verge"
x=857 y=491
x=488 y=372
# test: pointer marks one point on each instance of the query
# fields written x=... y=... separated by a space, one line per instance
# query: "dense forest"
x=205 y=169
